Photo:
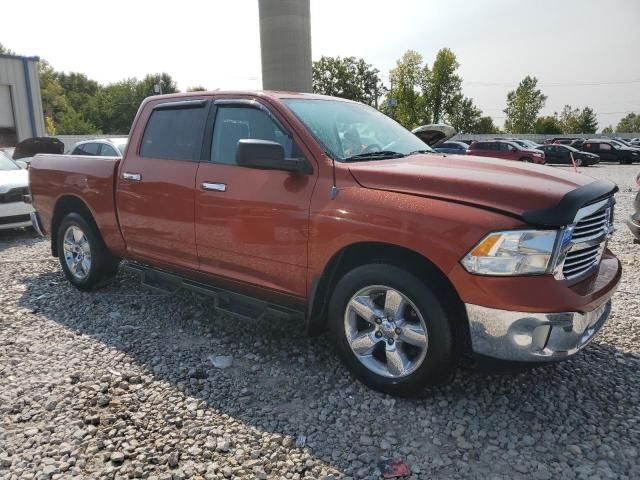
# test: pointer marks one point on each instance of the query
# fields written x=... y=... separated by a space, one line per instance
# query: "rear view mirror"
x=267 y=155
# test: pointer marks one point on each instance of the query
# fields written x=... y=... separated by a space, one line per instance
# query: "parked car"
x=556 y=153
x=610 y=152
x=506 y=150
x=526 y=143
x=271 y=202
x=634 y=219
x=102 y=147
x=624 y=144
x=14 y=184
x=453 y=148
x=561 y=140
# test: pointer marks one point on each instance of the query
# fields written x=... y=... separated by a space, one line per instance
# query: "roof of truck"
x=259 y=93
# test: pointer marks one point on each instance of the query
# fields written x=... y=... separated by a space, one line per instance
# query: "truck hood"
x=507 y=186
x=13 y=179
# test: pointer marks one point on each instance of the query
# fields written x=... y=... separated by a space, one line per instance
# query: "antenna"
x=334 y=188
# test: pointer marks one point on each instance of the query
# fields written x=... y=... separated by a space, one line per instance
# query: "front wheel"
x=85 y=259
x=525 y=159
x=391 y=331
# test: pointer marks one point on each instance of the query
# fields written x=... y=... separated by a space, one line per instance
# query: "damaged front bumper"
x=533 y=337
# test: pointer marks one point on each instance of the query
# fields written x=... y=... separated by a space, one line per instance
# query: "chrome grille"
x=585 y=240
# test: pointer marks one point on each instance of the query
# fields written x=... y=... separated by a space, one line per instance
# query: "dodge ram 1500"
x=328 y=210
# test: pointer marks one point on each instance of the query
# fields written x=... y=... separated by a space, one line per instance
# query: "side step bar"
x=225 y=301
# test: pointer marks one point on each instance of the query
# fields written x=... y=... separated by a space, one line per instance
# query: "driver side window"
x=234 y=123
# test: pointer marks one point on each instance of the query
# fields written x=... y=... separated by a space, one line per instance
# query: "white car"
x=14 y=185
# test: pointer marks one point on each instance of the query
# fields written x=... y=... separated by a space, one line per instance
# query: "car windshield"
x=6 y=163
x=570 y=148
x=122 y=147
x=353 y=131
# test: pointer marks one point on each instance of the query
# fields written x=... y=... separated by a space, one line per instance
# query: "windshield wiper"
x=380 y=155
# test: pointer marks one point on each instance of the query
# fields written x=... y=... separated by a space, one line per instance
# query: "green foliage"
x=607 y=130
x=73 y=123
x=464 y=116
x=408 y=85
x=588 y=120
x=348 y=78
x=523 y=105
x=197 y=88
x=485 y=125
x=574 y=120
x=444 y=86
x=548 y=125
x=629 y=124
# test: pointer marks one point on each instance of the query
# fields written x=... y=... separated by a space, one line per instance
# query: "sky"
x=583 y=52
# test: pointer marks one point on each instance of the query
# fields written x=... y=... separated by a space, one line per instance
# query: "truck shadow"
x=283 y=382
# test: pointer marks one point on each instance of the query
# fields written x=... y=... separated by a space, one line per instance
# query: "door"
x=606 y=152
x=155 y=191
x=553 y=154
x=252 y=225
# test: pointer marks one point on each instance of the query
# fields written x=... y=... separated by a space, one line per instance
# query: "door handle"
x=132 y=176
x=216 y=187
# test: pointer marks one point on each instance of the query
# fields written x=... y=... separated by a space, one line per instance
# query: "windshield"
x=6 y=163
x=122 y=147
x=347 y=130
x=570 y=148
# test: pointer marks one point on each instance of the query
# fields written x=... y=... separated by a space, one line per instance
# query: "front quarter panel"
x=441 y=231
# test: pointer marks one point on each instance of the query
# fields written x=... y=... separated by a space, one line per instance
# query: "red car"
x=330 y=212
x=507 y=150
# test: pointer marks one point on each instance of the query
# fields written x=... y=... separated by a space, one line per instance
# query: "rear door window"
x=174 y=133
x=605 y=147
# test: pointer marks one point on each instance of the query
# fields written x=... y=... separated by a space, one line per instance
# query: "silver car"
x=101 y=147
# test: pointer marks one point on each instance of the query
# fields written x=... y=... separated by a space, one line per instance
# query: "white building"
x=21 y=114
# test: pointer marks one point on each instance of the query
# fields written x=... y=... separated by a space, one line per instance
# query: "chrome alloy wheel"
x=386 y=331
x=77 y=252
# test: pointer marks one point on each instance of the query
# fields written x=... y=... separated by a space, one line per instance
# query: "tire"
x=427 y=359
x=85 y=259
x=580 y=163
x=525 y=160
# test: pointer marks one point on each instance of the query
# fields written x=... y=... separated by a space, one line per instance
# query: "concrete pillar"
x=285 y=44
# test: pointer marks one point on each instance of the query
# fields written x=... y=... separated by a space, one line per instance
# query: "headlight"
x=512 y=252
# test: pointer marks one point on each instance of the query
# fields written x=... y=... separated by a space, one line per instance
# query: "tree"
x=444 y=85
x=547 y=125
x=523 y=105
x=6 y=51
x=485 y=125
x=73 y=123
x=569 y=119
x=607 y=130
x=197 y=88
x=629 y=124
x=408 y=84
x=588 y=121
x=348 y=78
x=464 y=116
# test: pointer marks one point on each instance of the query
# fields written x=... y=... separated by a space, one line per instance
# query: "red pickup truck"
x=327 y=210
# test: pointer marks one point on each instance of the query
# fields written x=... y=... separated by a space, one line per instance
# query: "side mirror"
x=267 y=155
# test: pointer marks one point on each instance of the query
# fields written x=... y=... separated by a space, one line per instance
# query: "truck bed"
x=88 y=179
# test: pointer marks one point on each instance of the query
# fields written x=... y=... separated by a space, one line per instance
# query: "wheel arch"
x=363 y=253
x=64 y=205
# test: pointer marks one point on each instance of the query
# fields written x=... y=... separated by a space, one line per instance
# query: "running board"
x=225 y=301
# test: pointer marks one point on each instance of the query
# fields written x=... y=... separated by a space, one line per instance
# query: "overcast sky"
x=570 y=45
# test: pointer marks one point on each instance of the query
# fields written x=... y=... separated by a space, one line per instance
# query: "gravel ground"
x=120 y=384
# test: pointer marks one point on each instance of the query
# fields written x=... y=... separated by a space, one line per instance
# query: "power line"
x=548 y=85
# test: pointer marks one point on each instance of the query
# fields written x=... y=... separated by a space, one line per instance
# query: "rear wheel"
x=525 y=159
x=390 y=330
x=85 y=259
